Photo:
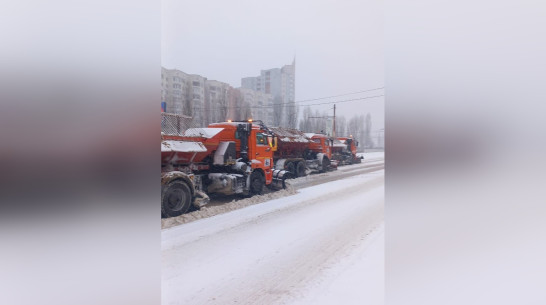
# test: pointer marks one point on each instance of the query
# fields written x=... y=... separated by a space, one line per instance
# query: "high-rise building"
x=281 y=84
x=268 y=97
x=194 y=95
x=259 y=104
x=216 y=101
x=174 y=90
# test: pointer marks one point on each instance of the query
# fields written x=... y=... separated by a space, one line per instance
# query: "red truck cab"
x=252 y=143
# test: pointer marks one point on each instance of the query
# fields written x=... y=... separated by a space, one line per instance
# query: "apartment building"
x=280 y=83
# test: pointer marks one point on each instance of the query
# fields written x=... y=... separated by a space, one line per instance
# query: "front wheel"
x=325 y=165
x=176 y=199
x=300 y=169
x=291 y=168
x=256 y=183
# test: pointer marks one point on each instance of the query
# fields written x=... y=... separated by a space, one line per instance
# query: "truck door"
x=263 y=152
x=326 y=148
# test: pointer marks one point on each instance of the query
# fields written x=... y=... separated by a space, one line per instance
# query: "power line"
x=323 y=98
x=356 y=99
x=290 y=103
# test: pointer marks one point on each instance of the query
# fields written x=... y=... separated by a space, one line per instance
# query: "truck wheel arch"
x=176 y=198
x=176 y=184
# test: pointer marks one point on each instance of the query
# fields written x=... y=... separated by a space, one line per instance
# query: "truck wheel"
x=256 y=183
x=291 y=168
x=300 y=169
x=325 y=165
x=175 y=199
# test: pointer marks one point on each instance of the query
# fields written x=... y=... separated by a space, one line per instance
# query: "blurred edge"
x=464 y=148
x=80 y=94
x=80 y=90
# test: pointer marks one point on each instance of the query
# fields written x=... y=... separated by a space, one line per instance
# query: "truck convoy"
x=238 y=158
x=299 y=153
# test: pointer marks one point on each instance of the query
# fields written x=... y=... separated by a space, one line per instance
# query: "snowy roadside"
x=357 y=277
x=292 y=249
x=208 y=211
x=292 y=188
x=372 y=155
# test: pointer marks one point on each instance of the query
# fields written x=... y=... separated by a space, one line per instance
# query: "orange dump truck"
x=345 y=151
x=298 y=153
x=226 y=158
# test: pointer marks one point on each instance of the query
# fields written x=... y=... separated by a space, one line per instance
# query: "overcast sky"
x=338 y=46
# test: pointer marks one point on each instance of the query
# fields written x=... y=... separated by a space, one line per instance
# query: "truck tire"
x=256 y=183
x=176 y=199
x=300 y=169
x=292 y=169
x=325 y=165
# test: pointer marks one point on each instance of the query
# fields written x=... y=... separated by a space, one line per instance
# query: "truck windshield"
x=260 y=139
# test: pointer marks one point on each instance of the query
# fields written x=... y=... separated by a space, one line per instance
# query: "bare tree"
x=237 y=107
x=368 y=142
x=305 y=123
x=355 y=127
x=341 y=126
x=277 y=111
x=292 y=111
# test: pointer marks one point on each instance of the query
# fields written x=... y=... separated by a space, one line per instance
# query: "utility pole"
x=328 y=117
x=334 y=128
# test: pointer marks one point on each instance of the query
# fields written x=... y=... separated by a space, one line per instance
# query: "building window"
x=196 y=84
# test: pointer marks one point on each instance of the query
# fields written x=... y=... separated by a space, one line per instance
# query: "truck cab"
x=260 y=152
x=347 y=154
x=321 y=144
x=255 y=146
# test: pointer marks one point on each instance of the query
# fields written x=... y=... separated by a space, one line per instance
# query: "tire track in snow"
x=270 y=257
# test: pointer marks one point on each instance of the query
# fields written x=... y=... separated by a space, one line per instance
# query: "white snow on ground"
x=208 y=211
x=322 y=245
x=357 y=277
x=372 y=155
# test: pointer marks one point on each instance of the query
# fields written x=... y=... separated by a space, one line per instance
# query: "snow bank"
x=208 y=211
x=372 y=155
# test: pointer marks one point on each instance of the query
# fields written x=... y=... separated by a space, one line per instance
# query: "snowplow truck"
x=344 y=151
x=299 y=154
x=224 y=158
x=321 y=144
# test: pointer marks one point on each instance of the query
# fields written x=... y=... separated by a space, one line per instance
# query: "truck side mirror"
x=274 y=143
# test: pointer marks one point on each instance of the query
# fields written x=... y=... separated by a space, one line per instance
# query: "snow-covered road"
x=323 y=245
